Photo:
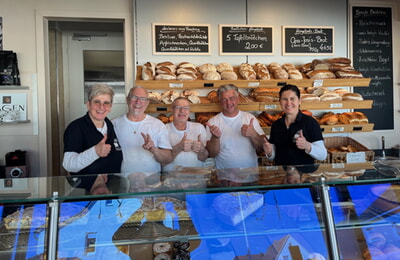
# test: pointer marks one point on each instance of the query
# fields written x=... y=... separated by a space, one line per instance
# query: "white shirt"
x=136 y=158
x=185 y=159
x=236 y=150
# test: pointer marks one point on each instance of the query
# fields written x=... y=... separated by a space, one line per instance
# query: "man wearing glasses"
x=187 y=138
x=143 y=138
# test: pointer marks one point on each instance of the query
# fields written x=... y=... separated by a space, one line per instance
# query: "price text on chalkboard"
x=372 y=56
x=307 y=40
x=245 y=39
x=181 y=39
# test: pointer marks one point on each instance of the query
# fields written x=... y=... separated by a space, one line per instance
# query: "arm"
x=213 y=145
x=318 y=150
x=199 y=148
x=163 y=156
x=256 y=139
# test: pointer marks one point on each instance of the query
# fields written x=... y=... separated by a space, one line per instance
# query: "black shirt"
x=286 y=151
x=82 y=134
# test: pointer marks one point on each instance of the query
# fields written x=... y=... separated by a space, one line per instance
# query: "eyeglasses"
x=142 y=99
x=98 y=103
x=183 y=108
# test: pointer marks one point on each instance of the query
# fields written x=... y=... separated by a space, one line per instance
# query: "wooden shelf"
x=322 y=105
x=214 y=84
x=338 y=128
x=12 y=87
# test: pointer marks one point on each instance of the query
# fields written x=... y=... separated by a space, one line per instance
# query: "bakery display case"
x=326 y=211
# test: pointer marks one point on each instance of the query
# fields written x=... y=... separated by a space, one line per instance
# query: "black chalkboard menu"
x=307 y=40
x=372 y=55
x=181 y=39
x=245 y=39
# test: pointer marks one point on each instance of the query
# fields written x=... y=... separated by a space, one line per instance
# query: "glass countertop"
x=194 y=180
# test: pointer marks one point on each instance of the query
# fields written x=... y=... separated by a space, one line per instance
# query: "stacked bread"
x=261 y=94
x=266 y=119
x=338 y=67
x=149 y=71
x=203 y=117
x=165 y=71
x=346 y=118
x=323 y=94
x=186 y=71
x=226 y=71
x=292 y=71
x=209 y=72
x=191 y=95
x=277 y=71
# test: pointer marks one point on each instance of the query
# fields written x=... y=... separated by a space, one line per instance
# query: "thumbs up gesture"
x=301 y=141
x=267 y=146
x=103 y=149
x=197 y=145
x=187 y=143
x=248 y=130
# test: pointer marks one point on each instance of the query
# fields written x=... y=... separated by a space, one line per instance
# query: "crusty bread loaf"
x=280 y=74
x=154 y=97
x=363 y=119
x=348 y=118
x=148 y=71
x=211 y=75
x=306 y=67
x=318 y=64
x=342 y=60
x=229 y=75
x=352 y=97
x=224 y=66
x=186 y=76
x=186 y=64
x=288 y=66
x=207 y=67
x=348 y=74
x=341 y=91
x=261 y=71
x=340 y=66
x=186 y=70
x=167 y=64
x=165 y=76
x=247 y=72
x=294 y=74
x=321 y=74
x=331 y=119
x=330 y=96
x=309 y=98
x=213 y=96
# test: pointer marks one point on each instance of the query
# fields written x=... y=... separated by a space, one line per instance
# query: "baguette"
x=321 y=74
x=351 y=74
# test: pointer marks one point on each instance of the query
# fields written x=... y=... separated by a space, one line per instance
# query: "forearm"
x=203 y=154
x=318 y=150
x=74 y=162
x=257 y=141
x=213 y=147
x=163 y=156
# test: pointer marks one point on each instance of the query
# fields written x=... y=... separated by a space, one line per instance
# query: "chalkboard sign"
x=373 y=56
x=181 y=39
x=307 y=40
x=245 y=40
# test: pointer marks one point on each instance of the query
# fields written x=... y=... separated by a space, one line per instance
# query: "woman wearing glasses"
x=90 y=143
x=143 y=138
x=187 y=138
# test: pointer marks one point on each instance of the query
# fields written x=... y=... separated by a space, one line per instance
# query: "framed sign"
x=181 y=39
x=310 y=40
x=245 y=40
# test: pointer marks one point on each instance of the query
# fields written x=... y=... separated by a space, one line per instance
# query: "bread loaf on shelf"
x=352 y=97
x=229 y=75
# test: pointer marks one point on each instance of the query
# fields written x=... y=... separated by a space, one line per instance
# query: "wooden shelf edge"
x=336 y=129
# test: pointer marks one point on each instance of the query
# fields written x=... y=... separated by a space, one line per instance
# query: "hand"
x=248 y=130
x=197 y=145
x=187 y=143
x=103 y=149
x=301 y=142
x=267 y=146
x=215 y=131
x=148 y=142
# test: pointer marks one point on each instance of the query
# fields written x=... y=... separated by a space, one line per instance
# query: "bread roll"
x=211 y=75
x=363 y=119
x=330 y=97
x=207 y=67
x=229 y=75
x=329 y=119
x=352 y=96
x=224 y=66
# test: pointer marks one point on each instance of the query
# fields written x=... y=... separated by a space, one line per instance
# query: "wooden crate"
x=340 y=157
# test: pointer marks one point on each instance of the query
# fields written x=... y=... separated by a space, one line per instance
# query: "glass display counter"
x=327 y=211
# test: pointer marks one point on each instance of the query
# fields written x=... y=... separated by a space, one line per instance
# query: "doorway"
x=73 y=47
